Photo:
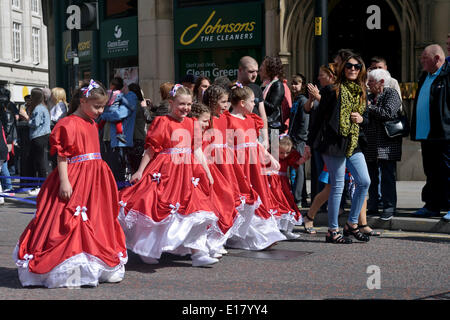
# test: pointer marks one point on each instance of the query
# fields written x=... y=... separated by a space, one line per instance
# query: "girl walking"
x=74 y=238
x=167 y=210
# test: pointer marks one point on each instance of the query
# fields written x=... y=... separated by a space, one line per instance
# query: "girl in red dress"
x=222 y=159
x=288 y=215
x=243 y=131
x=167 y=209
x=74 y=239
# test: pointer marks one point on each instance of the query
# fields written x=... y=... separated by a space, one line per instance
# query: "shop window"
x=120 y=8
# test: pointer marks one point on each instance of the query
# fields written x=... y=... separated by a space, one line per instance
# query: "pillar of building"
x=156 y=46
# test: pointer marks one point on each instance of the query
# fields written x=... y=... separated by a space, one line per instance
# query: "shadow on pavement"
x=10 y=278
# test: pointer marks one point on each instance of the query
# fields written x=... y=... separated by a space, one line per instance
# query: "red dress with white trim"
x=288 y=215
x=231 y=194
x=167 y=210
x=263 y=230
x=80 y=241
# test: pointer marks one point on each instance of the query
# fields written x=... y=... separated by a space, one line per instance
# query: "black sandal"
x=339 y=239
x=356 y=233
x=371 y=233
x=309 y=230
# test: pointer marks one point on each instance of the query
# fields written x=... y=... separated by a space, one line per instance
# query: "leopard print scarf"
x=350 y=102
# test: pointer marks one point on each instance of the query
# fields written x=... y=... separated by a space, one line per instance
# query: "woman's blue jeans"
x=357 y=166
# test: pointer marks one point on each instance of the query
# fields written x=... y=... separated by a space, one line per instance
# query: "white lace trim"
x=260 y=233
x=287 y=221
x=177 y=234
x=80 y=270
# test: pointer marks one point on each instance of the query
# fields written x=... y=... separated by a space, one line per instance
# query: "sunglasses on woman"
x=357 y=66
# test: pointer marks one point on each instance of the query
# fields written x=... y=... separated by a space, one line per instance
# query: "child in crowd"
x=74 y=239
x=116 y=87
x=167 y=210
x=288 y=214
x=263 y=231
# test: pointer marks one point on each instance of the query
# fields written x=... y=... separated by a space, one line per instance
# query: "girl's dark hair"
x=117 y=83
x=37 y=98
x=238 y=94
x=94 y=93
x=274 y=67
x=298 y=77
x=198 y=82
x=212 y=96
x=198 y=109
x=134 y=87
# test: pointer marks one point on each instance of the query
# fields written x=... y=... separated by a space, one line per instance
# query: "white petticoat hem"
x=79 y=270
x=216 y=238
x=287 y=221
x=261 y=234
x=176 y=234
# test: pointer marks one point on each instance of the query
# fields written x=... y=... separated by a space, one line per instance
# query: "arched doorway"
x=401 y=16
x=376 y=33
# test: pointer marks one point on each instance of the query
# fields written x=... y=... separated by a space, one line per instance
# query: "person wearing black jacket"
x=271 y=72
x=431 y=126
x=336 y=133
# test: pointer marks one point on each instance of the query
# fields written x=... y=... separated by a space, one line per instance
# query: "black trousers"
x=39 y=155
x=436 y=166
x=388 y=182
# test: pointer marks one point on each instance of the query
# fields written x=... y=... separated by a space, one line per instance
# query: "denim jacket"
x=39 y=122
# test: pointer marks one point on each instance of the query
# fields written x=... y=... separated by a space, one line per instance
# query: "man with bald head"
x=247 y=74
x=431 y=126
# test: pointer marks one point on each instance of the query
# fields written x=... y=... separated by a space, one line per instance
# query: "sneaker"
x=425 y=213
x=121 y=138
x=34 y=192
x=216 y=255
x=290 y=235
x=114 y=278
x=201 y=259
x=447 y=217
x=149 y=260
x=222 y=251
x=386 y=216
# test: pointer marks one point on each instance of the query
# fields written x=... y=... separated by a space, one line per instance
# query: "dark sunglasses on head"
x=357 y=66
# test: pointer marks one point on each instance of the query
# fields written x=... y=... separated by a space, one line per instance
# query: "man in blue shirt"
x=431 y=126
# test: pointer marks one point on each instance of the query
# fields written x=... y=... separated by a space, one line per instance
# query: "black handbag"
x=398 y=127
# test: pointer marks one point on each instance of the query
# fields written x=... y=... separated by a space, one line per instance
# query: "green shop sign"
x=214 y=63
x=218 y=26
x=84 y=47
x=118 y=38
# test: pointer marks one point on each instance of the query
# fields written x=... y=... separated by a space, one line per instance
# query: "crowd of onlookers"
x=295 y=108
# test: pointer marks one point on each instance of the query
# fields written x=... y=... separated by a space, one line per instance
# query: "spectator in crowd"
x=298 y=131
x=201 y=84
x=247 y=75
x=39 y=123
x=123 y=109
x=382 y=151
x=336 y=133
x=140 y=133
x=59 y=109
x=431 y=126
x=271 y=72
x=9 y=116
x=24 y=165
x=380 y=63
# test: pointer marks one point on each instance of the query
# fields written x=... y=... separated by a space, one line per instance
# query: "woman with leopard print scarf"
x=336 y=133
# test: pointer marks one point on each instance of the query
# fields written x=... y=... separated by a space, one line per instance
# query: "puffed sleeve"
x=156 y=134
x=259 y=123
x=62 y=139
